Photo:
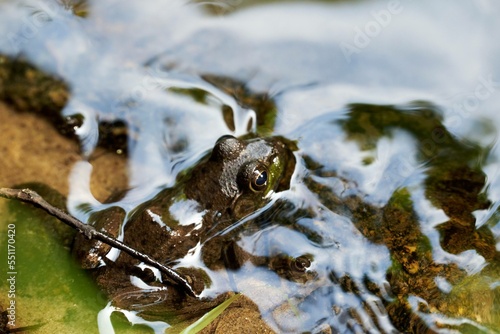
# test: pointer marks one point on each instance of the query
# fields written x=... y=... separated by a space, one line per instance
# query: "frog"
x=233 y=181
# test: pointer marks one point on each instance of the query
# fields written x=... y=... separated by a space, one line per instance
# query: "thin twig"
x=29 y=196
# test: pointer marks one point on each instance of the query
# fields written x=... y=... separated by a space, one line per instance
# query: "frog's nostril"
x=224 y=138
x=226 y=147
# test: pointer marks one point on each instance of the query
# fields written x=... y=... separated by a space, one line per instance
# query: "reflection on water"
x=393 y=205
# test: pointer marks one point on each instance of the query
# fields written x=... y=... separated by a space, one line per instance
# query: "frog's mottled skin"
x=237 y=178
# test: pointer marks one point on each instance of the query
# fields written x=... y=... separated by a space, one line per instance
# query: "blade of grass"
x=209 y=317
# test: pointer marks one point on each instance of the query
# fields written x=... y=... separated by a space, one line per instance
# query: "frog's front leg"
x=91 y=252
x=220 y=253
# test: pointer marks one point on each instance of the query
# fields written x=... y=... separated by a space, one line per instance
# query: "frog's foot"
x=296 y=269
x=161 y=303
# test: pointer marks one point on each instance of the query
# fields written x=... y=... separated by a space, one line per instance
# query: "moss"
x=199 y=95
x=401 y=200
x=264 y=107
x=27 y=89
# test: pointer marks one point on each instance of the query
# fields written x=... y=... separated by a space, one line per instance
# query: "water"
x=392 y=104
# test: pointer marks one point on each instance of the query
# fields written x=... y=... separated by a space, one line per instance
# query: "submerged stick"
x=29 y=196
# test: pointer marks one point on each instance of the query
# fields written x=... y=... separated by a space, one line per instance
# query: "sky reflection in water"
x=314 y=61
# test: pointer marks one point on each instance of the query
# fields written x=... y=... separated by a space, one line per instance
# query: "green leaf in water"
x=209 y=317
x=50 y=288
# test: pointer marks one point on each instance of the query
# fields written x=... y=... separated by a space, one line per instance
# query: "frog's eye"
x=258 y=179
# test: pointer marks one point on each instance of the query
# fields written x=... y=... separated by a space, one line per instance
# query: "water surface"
x=392 y=105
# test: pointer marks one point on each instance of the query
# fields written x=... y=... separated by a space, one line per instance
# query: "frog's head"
x=241 y=174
